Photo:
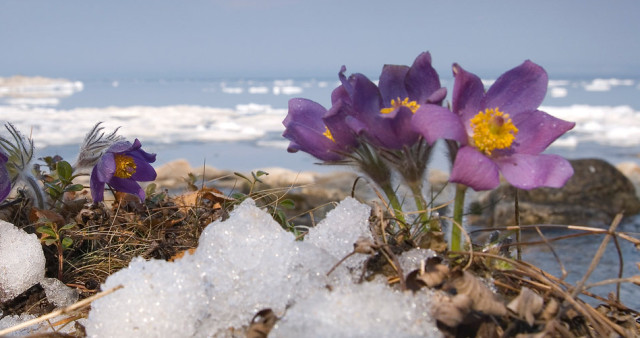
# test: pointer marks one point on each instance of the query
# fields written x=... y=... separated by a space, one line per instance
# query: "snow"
x=249 y=263
x=21 y=261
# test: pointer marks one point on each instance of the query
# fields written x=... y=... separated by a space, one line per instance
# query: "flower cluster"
x=111 y=160
x=395 y=124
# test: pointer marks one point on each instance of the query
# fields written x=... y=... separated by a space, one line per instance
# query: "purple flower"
x=500 y=131
x=122 y=166
x=5 y=180
x=383 y=113
x=321 y=133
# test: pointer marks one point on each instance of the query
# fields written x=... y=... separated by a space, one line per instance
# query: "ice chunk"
x=410 y=260
x=21 y=261
x=241 y=266
x=58 y=293
x=246 y=264
x=10 y=321
x=360 y=310
x=341 y=228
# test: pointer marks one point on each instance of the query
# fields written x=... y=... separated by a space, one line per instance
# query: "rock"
x=632 y=171
x=593 y=196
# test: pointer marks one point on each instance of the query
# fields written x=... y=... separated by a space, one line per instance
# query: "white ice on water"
x=248 y=263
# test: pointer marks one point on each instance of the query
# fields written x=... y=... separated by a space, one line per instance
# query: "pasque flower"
x=122 y=166
x=500 y=131
x=5 y=180
x=314 y=130
x=383 y=113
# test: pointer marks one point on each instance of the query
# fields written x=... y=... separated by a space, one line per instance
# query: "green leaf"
x=241 y=175
x=50 y=241
x=151 y=189
x=287 y=204
x=53 y=187
x=261 y=173
x=74 y=187
x=64 y=170
x=255 y=177
x=46 y=230
x=67 y=242
x=68 y=226
x=239 y=196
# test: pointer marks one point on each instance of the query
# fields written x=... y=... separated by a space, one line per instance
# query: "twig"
x=519 y=231
x=621 y=269
x=598 y=256
x=553 y=251
x=59 y=312
x=632 y=279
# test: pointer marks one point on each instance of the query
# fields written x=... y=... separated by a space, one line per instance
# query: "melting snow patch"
x=21 y=261
x=249 y=263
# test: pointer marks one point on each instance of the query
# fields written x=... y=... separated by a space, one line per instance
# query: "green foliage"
x=154 y=196
x=60 y=180
x=51 y=234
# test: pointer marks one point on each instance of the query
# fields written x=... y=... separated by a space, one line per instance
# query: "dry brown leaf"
x=434 y=273
x=365 y=246
x=181 y=254
x=550 y=310
x=189 y=200
x=483 y=299
x=40 y=215
x=261 y=324
x=452 y=310
x=527 y=305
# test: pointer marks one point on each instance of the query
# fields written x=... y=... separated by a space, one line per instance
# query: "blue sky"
x=255 y=38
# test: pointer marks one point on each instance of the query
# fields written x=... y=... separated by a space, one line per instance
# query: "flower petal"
x=120 y=147
x=5 y=183
x=366 y=99
x=527 y=172
x=96 y=186
x=520 y=89
x=105 y=168
x=537 y=130
x=467 y=93
x=391 y=83
x=435 y=122
x=475 y=170
x=400 y=126
x=144 y=170
x=305 y=112
x=127 y=185
x=422 y=81
x=312 y=142
x=334 y=119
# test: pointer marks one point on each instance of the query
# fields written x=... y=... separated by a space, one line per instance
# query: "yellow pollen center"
x=125 y=166
x=413 y=105
x=327 y=133
x=492 y=129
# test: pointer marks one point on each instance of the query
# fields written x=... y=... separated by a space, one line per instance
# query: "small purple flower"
x=500 y=131
x=5 y=180
x=122 y=166
x=314 y=130
x=383 y=113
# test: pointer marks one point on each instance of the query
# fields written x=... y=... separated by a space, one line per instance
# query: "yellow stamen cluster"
x=492 y=129
x=327 y=133
x=395 y=104
x=125 y=166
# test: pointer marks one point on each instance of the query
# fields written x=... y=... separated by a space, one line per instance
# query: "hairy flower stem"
x=421 y=205
x=378 y=170
x=35 y=191
x=458 y=208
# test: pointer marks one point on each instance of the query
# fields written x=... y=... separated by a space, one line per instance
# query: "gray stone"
x=593 y=196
